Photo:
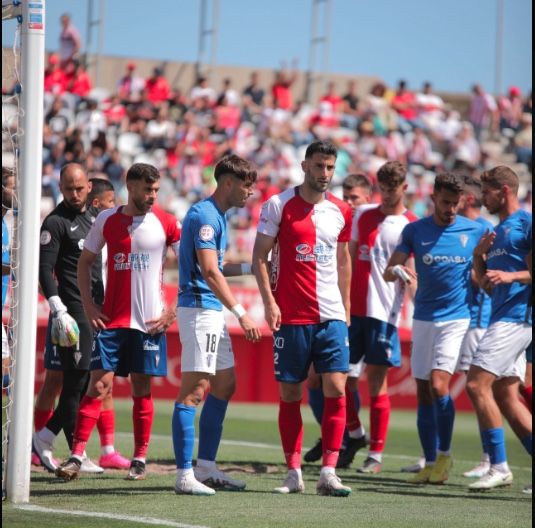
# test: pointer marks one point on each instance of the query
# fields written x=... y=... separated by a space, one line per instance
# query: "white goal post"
x=31 y=17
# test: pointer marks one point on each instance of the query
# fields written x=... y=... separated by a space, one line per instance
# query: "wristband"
x=401 y=273
x=56 y=304
x=239 y=311
x=246 y=269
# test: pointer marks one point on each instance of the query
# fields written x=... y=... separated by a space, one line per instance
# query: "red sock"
x=142 y=416
x=332 y=429
x=379 y=419
x=41 y=417
x=527 y=392
x=106 y=427
x=352 y=417
x=88 y=414
x=291 y=432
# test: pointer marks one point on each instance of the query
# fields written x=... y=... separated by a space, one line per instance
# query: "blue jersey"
x=205 y=227
x=480 y=305
x=5 y=260
x=511 y=302
x=443 y=257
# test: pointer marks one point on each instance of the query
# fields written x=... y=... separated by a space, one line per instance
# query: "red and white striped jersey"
x=304 y=274
x=137 y=246
x=377 y=237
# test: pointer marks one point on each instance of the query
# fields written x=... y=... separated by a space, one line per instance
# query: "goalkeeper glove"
x=64 y=331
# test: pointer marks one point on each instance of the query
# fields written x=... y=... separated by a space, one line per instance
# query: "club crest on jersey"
x=119 y=258
x=81 y=244
x=206 y=233
x=464 y=240
x=45 y=238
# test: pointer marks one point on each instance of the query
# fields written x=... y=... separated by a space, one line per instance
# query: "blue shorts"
x=375 y=341
x=296 y=347
x=124 y=350
x=529 y=353
x=69 y=358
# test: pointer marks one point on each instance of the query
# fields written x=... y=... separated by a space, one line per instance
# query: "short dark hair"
x=500 y=176
x=7 y=173
x=143 y=171
x=239 y=167
x=356 y=179
x=450 y=182
x=392 y=174
x=473 y=187
x=99 y=186
x=321 y=147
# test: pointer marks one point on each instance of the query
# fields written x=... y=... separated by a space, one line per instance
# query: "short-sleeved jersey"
x=376 y=236
x=511 y=302
x=304 y=267
x=480 y=305
x=136 y=250
x=5 y=259
x=443 y=257
x=61 y=242
x=205 y=227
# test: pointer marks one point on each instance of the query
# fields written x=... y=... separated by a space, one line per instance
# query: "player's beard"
x=142 y=206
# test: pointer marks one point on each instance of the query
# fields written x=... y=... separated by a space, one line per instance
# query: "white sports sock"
x=357 y=433
x=141 y=459
x=184 y=473
x=46 y=435
x=107 y=450
x=297 y=472
x=445 y=453
x=502 y=468
x=206 y=465
x=376 y=456
x=326 y=470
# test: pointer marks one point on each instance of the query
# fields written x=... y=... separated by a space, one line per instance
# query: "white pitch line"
x=258 y=445
x=112 y=516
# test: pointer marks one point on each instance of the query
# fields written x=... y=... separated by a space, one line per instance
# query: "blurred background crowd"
x=184 y=130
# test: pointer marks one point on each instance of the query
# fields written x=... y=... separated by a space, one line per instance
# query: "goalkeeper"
x=61 y=242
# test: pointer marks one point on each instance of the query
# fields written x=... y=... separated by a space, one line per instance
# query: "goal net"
x=22 y=139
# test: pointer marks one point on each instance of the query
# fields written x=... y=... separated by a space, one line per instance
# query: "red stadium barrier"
x=254 y=364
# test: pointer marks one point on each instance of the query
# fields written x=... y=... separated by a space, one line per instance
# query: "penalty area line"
x=111 y=516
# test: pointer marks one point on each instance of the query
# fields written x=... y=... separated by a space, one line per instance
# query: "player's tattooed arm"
x=344 y=277
x=261 y=266
x=97 y=319
x=480 y=260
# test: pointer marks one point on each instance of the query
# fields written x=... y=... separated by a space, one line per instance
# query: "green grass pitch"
x=251 y=450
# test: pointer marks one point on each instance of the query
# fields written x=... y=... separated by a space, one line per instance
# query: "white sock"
x=46 y=435
x=77 y=457
x=378 y=457
x=502 y=468
x=206 y=464
x=107 y=450
x=184 y=473
x=326 y=470
x=357 y=433
x=445 y=453
x=141 y=459
x=297 y=472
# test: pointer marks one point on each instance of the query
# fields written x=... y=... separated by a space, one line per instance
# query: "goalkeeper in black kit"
x=61 y=243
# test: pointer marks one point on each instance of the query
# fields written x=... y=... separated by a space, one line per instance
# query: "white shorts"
x=5 y=343
x=502 y=350
x=436 y=346
x=206 y=345
x=471 y=341
x=356 y=369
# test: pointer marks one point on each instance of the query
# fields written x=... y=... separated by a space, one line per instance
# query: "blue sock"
x=427 y=431
x=356 y=398
x=494 y=439
x=183 y=435
x=445 y=419
x=316 y=401
x=211 y=427
x=527 y=442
